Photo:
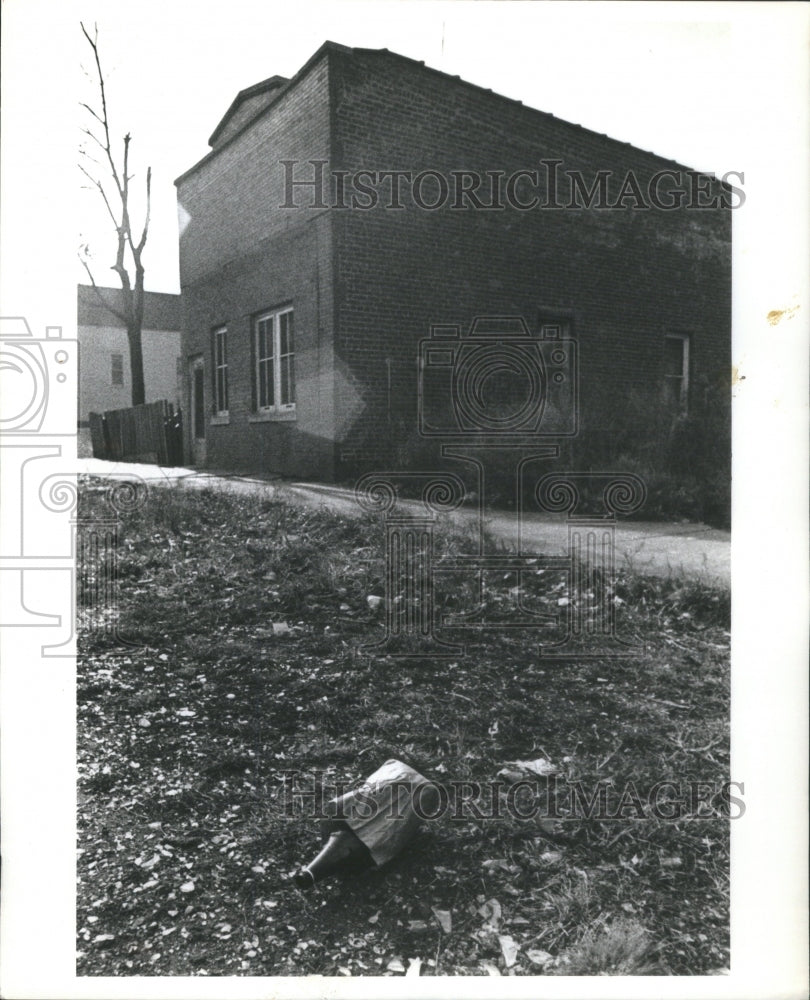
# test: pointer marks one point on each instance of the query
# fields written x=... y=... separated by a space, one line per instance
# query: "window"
x=274 y=375
x=676 y=369
x=220 y=350
x=117 y=369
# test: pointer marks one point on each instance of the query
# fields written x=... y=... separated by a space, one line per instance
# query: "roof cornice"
x=328 y=47
x=271 y=83
x=280 y=92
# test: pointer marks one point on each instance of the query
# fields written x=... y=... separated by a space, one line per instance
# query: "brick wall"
x=628 y=276
x=367 y=285
x=241 y=254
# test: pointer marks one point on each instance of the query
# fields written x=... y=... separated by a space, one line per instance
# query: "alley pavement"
x=652 y=548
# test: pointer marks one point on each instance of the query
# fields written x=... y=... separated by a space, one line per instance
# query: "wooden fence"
x=152 y=433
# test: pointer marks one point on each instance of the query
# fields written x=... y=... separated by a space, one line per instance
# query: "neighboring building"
x=341 y=214
x=105 y=382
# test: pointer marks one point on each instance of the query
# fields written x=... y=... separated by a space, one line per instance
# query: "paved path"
x=652 y=548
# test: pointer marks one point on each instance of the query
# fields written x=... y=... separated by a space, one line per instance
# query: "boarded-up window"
x=676 y=369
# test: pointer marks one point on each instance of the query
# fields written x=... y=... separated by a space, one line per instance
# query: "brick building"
x=344 y=213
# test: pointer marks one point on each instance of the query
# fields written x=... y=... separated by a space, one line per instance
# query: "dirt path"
x=693 y=551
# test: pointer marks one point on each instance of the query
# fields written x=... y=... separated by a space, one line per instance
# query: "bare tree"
x=115 y=193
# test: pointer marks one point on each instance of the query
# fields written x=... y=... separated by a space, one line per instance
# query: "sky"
x=685 y=80
x=658 y=76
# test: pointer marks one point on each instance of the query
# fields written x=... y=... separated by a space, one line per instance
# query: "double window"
x=676 y=369
x=274 y=354
x=220 y=353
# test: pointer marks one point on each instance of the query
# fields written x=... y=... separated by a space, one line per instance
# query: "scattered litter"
x=509 y=949
x=538 y=957
x=501 y=864
x=414 y=965
x=491 y=912
x=540 y=767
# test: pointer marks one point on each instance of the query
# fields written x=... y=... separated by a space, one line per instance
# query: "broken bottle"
x=372 y=824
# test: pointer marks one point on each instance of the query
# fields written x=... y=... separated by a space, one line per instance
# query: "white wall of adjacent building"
x=99 y=371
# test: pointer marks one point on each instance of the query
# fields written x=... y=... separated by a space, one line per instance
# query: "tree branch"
x=92 y=112
x=125 y=221
x=142 y=242
x=103 y=119
x=129 y=253
x=100 y=187
x=99 y=296
x=94 y=137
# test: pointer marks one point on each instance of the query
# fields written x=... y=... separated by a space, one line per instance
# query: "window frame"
x=116 y=368
x=272 y=361
x=681 y=400
x=220 y=393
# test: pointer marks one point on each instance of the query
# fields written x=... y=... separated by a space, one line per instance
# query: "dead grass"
x=236 y=662
x=620 y=949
